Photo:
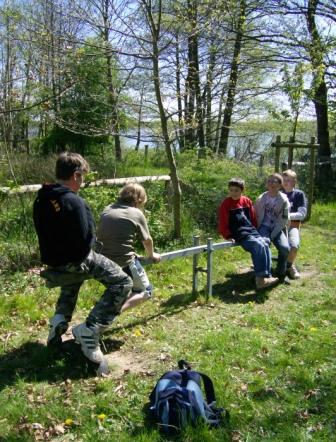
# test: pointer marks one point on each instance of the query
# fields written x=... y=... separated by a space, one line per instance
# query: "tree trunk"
x=181 y=134
x=139 y=120
x=196 y=78
x=155 y=32
x=190 y=81
x=208 y=98
x=320 y=97
x=113 y=97
x=8 y=130
x=230 y=100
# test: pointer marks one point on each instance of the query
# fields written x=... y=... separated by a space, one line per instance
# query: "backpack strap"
x=208 y=388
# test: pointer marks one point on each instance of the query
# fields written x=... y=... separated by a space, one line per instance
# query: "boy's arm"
x=252 y=214
x=286 y=211
x=147 y=240
x=223 y=222
x=301 y=205
x=149 y=247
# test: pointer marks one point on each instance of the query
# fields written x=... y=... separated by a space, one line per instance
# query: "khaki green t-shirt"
x=118 y=226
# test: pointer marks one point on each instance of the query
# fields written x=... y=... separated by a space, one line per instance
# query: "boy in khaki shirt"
x=119 y=225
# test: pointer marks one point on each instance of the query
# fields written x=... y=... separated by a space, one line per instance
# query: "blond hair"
x=290 y=173
x=132 y=194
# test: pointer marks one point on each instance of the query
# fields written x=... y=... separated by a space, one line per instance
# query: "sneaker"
x=293 y=273
x=89 y=341
x=57 y=327
x=263 y=283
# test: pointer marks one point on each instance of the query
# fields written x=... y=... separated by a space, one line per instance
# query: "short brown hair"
x=132 y=194
x=276 y=176
x=237 y=182
x=68 y=163
x=290 y=173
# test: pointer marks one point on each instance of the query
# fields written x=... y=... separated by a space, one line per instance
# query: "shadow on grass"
x=239 y=288
x=172 y=306
x=34 y=362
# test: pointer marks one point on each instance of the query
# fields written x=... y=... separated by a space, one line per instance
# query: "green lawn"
x=271 y=355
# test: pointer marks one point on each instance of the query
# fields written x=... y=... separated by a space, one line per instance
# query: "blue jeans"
x=281 y=244
x=260 y=253
x=140 y=279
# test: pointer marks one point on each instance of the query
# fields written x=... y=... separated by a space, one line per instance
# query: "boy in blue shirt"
x=298 y=212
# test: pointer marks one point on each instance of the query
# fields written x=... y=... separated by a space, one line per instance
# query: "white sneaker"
x=89 y=341
x=293 y=273
x=57 y=327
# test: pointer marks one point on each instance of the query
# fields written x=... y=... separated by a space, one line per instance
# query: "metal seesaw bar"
x=194 y=251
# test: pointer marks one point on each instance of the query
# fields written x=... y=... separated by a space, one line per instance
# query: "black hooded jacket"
x=64 y=225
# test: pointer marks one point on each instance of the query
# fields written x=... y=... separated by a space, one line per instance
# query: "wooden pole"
x=277 y=153
x=146 y=153
x=290 y=153
x=261 y=161
x=311 y=178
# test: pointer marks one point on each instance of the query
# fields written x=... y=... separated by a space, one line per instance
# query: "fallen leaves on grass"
x=41 y=433
x=313 y=393
x=236 y=436
x=120 y=389
x=244 y=388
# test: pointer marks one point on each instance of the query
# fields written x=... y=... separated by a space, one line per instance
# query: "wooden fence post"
x=146 y=153
x=277 y=153
x=290 y=153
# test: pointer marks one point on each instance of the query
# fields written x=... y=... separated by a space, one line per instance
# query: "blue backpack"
x=177 y=400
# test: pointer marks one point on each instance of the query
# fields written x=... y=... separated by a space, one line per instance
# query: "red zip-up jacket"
x=237 y=219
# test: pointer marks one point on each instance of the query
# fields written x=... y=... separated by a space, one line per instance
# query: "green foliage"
x=271 y=355
x=86 y=111
x=293 y=86
x=205 y=185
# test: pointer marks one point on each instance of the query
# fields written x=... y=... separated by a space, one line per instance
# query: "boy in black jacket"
x=66 y=234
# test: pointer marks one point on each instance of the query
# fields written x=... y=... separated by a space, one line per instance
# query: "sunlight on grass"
x=271 y=355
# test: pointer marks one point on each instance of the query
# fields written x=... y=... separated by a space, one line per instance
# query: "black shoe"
x=283 y=279
x=57 y=327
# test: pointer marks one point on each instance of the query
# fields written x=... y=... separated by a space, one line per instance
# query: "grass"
x=271 y=355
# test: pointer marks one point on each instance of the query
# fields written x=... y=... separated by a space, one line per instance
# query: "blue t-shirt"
x=296 y=199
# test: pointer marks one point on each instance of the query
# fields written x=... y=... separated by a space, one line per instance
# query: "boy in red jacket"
x=237 y=221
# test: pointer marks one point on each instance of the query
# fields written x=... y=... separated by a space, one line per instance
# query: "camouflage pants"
x=95 y=266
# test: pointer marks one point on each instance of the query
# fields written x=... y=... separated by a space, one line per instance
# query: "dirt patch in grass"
x=121 y=362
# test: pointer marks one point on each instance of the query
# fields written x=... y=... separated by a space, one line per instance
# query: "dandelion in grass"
x=68 y=422
x=313 y=329
x=101 y=416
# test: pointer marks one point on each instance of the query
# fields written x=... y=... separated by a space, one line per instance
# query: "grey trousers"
x=95 y=266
